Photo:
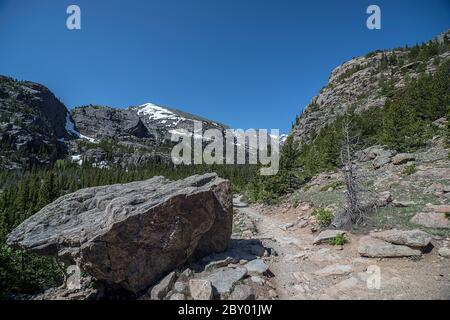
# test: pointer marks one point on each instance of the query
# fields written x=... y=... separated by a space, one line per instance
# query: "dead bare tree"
x=353 y=212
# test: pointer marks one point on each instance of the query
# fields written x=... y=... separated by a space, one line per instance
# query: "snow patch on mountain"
x=157 y=113
x=70 y=128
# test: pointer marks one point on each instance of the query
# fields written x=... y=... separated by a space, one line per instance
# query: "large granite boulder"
x=130 y=235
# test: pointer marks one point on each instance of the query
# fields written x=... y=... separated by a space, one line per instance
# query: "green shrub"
x=447 y=215
x=408 y=170
x=339 y=240
x=323 y=216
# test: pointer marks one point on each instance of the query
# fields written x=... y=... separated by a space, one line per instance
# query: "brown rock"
x=129 y=235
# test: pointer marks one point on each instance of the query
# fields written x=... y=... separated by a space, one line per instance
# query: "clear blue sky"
x=246 y=63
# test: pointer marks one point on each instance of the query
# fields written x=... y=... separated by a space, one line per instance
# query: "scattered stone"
x=444 y=252
x=200 y=289
x=287 y=226
x=382 y=159
x=411 y=238
x=243 y=292
x=257 y=280
x=272 y=294
x=402 y=204
x=402 y=158
x=180 y=287
x=377 y=248
x=130 y=234
x=186 y=274
x=335 y=270
x=177 y=296
x=440 y=123
x=438 y=189
x=384 y=198
x=256 y=266
x=439 y=208
x=431 y=220
x=223 y=279
x=326 y=235
x=160 y=290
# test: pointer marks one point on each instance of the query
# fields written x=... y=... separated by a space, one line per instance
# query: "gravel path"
x=306 y=271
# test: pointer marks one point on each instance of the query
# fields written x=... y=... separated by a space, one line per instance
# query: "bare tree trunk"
x=352 y=213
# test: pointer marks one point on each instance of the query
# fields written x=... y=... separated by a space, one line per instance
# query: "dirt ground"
x=306 y=271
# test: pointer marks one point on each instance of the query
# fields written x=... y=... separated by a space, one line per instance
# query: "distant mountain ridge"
x=37 y=129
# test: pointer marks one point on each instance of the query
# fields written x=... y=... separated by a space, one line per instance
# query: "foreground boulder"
x=131 y=235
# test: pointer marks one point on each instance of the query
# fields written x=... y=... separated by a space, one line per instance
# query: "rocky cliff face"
x=366 y=82
x=32 y=124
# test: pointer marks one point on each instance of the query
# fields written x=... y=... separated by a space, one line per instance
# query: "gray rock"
x=257 y=280
x=224 y=279
x=186 y=274
x=402 y=204
x=402 y=158
x=381 y=161
x=376 y=248
x=335 y=270
x=411 y=238
x=131 y=234
x=384 y=198
x=243 y=292
x=200 y=289
x=256 y=266
x=444 y=252
x=177 y=296
x=326 y=235
x=160 y=290
x=180 y=287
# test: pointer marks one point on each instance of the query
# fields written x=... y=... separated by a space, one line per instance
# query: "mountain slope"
x=32 y=124
x=37 y=129
x=366 y=82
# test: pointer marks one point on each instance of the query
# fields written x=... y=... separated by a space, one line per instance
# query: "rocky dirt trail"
x=303 y=270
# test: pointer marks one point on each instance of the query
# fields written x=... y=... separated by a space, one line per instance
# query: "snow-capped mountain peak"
x=158 y=113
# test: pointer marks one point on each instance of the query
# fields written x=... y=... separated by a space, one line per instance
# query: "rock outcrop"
x=32 y=125
x=130 y=235
x=359 y=82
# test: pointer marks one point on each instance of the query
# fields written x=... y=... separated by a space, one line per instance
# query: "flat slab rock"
x=223 y=279
x=377 y=248
x=411 y=238
x=130 y=235
x=256 y=266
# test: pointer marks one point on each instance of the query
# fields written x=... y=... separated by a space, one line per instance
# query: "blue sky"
x=246 y=63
